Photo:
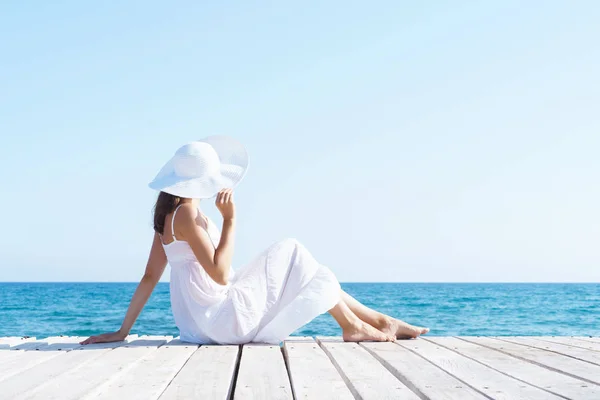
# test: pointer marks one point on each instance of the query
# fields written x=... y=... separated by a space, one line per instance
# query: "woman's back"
x=177 y=250
x=193 y=293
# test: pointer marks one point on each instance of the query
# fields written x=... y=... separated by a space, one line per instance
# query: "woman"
x=277 y=293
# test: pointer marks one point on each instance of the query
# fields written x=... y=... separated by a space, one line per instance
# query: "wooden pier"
x=158 y=367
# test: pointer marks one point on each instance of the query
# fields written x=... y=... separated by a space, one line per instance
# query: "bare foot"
x=363 y=332
x=402 y=330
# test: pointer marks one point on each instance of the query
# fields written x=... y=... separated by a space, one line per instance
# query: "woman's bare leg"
x=354 y=329
x=382 y=322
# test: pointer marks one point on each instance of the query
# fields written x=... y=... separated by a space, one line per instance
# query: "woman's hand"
x=105 y=337
x=224 y=203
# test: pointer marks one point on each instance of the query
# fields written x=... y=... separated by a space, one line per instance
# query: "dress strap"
x=173 y=222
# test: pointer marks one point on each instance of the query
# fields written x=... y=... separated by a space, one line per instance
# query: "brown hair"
x=165 y=204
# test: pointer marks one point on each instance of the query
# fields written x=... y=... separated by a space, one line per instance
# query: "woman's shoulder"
x=186 y=211
x=189 y=215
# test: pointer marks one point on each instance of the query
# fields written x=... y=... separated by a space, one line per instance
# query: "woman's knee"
x=290 y=242
x=287 y=246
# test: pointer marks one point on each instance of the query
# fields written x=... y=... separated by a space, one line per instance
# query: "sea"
x=499 y=309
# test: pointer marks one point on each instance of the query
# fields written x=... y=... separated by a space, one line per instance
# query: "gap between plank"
x=122 y=371
x=447 y=372
x=236 y=370
x=396 y=374
x=347 y=381
x=552 y=351
x=492 y=368
x=287 y=368
x=579 y=346
x=58 y=352
x=174 y=376
x=531 y=361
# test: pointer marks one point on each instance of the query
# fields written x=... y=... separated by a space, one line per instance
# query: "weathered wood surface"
x=565 y=349
x=159 y=367
x=547 y=359
x=150 y=376
x=573 y=341
x=543 y=378
x=262 y=374
x=208 y=374
x=13 y=341
x=476 y=375
x=421 y=375
x=590 y=339
x=79 y=381
x=365 y=375
x=311 y=372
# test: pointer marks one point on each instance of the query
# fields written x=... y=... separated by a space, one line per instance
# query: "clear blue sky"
x=398 y=140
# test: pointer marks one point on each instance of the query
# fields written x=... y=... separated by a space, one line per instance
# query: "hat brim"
x=200 y=188
x=234 y=165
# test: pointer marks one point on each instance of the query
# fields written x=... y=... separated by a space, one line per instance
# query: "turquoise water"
x=46 y=309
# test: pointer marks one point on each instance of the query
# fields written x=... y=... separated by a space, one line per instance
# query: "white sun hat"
x=200 y=169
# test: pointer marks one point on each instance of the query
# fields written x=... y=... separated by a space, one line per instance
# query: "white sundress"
x=281 y=290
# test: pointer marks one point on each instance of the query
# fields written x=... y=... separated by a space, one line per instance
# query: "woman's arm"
x=216 y=262
x=157 y=261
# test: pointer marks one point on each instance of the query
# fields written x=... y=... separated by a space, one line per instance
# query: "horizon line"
x=359 y=282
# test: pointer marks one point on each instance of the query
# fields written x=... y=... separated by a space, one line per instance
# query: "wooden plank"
x=32 y=345
x=12 y=341
x=554 y=361
x=592 y=339
x=364 y=375
x=8 y=347
x=77 y=382
x=149 y=377
x=312 y=374
x=208 y=374
x=535 y=375
x=419 y=374
x=19 y=361
x=573 y=341
x=299 y=339
x=262 y=374
x=50 y=369
x=6 y=355
x=494 y=384
x=28 y=354
x=61 y=343
x=571 y=351
x=50 y=343
x=23 y=360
